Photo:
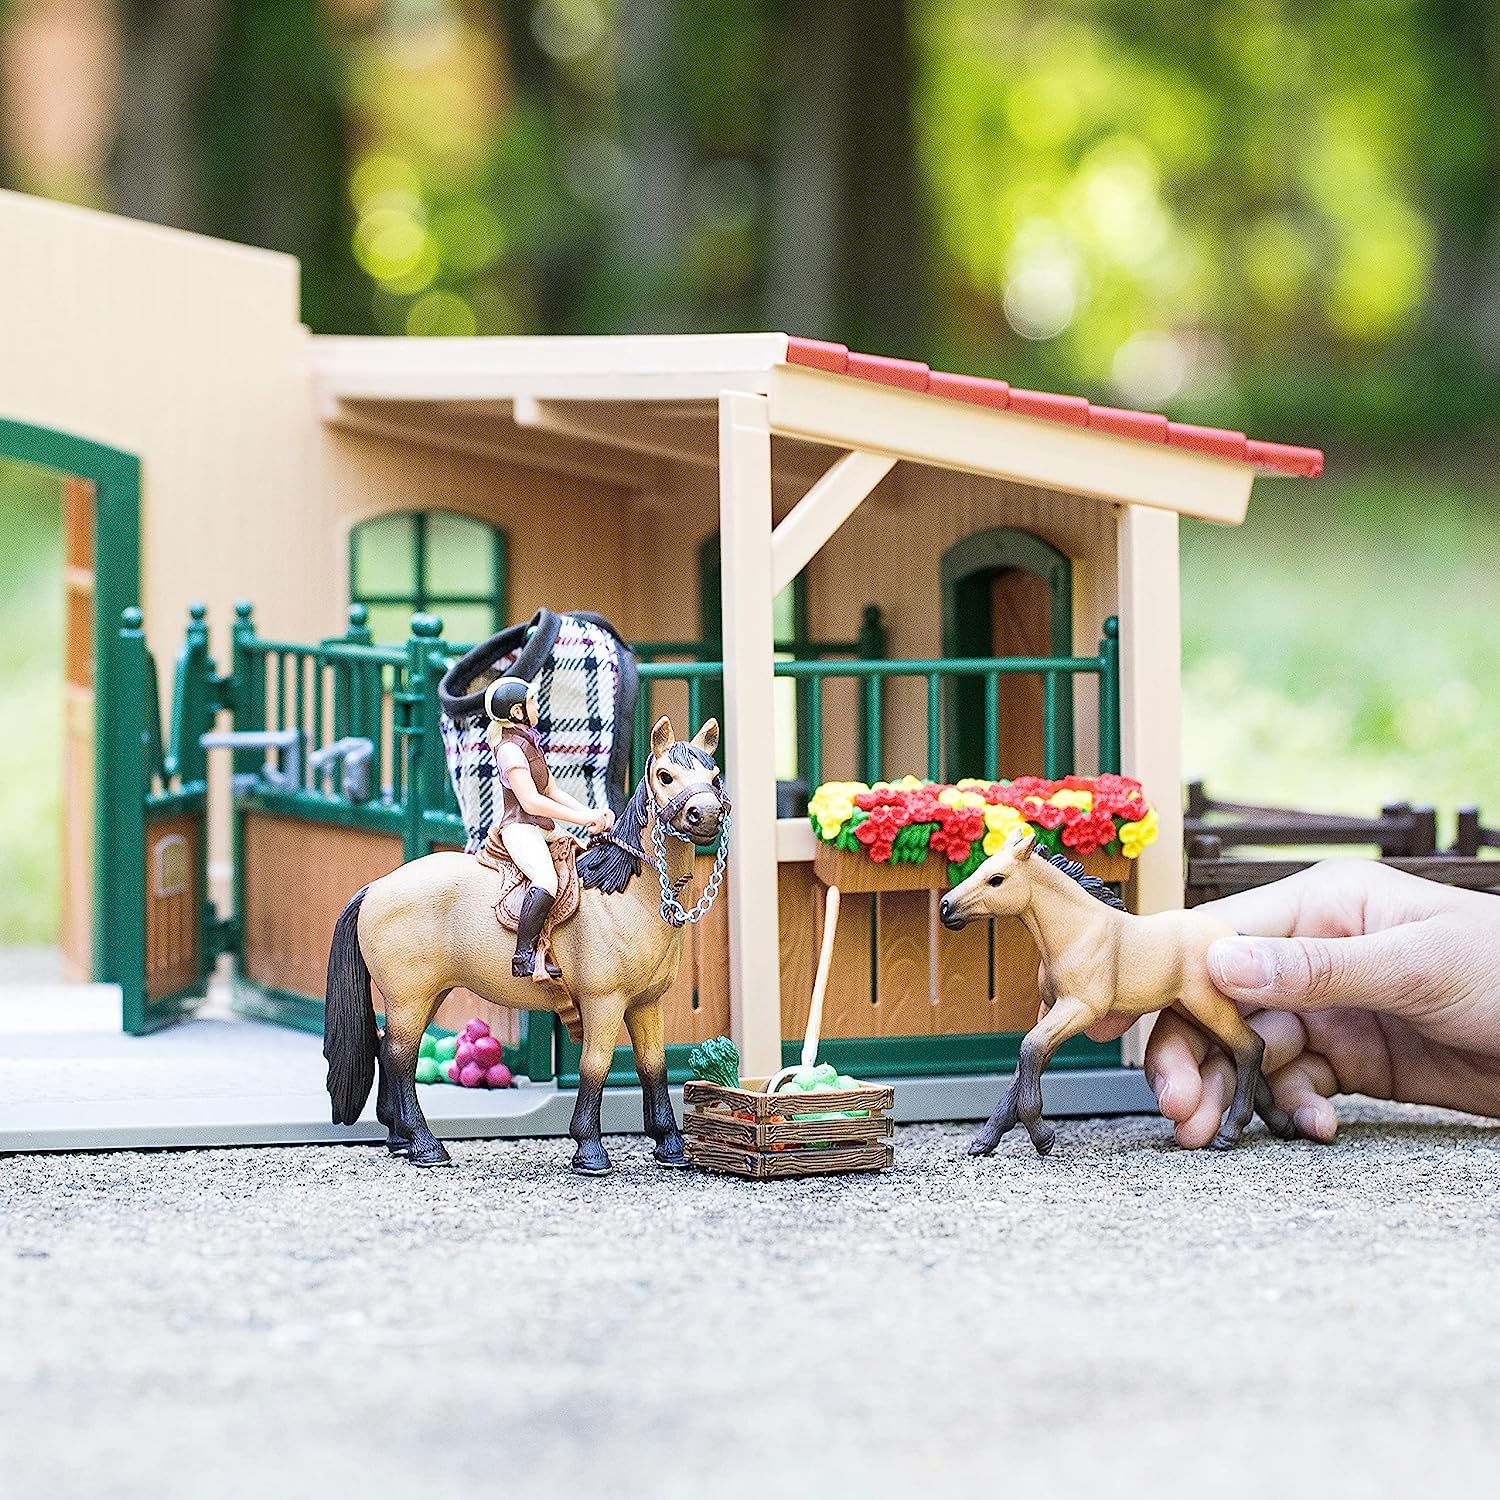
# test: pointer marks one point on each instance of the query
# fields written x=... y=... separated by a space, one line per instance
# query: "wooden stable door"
x=75 y=929
x=1021 y=625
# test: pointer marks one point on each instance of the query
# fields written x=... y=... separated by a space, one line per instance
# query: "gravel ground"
x=1121 y=1319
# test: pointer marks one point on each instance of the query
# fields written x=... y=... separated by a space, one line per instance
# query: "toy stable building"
x=900 y=570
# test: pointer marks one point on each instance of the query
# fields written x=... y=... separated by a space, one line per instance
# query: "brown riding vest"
x=511 y=811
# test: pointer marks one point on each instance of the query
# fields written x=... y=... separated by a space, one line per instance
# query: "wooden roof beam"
x=819 y=407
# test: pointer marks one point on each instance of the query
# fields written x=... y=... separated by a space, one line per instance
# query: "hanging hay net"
x=586 y=687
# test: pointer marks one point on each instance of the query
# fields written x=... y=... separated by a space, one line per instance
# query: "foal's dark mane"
x=1091 y=883
x=606 y=866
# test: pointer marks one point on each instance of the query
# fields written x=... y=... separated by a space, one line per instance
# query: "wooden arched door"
x=1005 y=593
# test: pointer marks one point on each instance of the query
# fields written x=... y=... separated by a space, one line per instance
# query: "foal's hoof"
x=398 y=1145
x=1225 y=1140
x=1043 y=1137
x=983 y=1144
x=677 y=1158
x=592 y=1161
x=435 y=1155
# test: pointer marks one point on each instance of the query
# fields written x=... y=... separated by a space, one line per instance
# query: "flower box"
x=914 y=835
x=857 y=874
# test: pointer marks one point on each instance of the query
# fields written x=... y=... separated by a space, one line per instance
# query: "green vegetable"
x=716 y=1061
x=427 y=1070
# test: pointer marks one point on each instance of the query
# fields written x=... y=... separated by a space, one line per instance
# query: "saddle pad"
x=513 y=883
x=583 y=722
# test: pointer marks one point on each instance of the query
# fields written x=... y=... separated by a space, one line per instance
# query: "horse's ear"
x=1024 y=844
x=661 y=735
x=707 y=738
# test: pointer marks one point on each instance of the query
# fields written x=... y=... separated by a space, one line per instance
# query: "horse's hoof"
x=981 y=1145
x=676 y=1158
x=1224 y=1141
x=398 y=1147
x=1043 y=1138
x=592 y=1161
x=435 y=1155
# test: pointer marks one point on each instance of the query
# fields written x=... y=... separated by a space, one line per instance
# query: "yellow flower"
x=1071 y=798
x=832 y=805
x=974 y=784
x=1000 y=823
x=1136 y=836
x=971 y=799
x=950 y=796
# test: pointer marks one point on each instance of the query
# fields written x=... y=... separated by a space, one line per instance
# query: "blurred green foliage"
x=1253 y=212
x=31 y=610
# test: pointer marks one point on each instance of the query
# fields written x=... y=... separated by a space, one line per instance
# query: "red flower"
x=1089 y=832
x=1043 y=814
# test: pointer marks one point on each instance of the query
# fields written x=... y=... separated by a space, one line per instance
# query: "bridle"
x=672 y=911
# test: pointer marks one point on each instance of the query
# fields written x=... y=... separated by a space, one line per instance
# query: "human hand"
x=1362 y=980
x=601 y=820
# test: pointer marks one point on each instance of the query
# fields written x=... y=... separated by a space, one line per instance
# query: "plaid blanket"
x=586 y=681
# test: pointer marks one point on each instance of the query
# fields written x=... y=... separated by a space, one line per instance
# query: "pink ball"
x=487 y=1052
x=498 y=1077
x=471 y=1075
x=453 y=1072
x=476 y=1028
x=465 y=1053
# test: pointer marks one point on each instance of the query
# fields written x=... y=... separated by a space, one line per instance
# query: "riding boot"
x=534 y=911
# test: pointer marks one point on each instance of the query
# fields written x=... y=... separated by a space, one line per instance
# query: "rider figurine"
x=529 y=802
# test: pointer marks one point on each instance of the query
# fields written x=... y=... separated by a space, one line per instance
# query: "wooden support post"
x=750 y=746
x=1151 y=705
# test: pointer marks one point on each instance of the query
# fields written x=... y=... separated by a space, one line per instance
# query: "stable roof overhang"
x=588 y=403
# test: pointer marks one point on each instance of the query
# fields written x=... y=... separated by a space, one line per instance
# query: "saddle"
x=513 y=883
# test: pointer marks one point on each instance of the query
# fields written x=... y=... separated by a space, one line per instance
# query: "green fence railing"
x=872 y=677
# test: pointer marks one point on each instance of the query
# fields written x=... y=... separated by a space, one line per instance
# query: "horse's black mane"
x=1091 y=883
x=606 y=866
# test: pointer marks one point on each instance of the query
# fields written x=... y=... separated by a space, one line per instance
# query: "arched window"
x=435 y=560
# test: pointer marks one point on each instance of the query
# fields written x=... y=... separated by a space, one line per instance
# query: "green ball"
x=428 y=1047
x=447 y=1048
x=428 y=1070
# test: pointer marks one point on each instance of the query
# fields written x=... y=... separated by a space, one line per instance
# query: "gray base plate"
x=71 y=1081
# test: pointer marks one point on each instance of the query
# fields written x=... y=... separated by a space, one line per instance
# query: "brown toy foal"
x=1097 y=960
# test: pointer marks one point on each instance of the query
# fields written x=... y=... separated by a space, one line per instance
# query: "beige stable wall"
x=187 y=352
x=568 y=538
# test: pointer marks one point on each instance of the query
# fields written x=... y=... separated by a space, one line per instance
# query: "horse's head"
x=1000 y=887
x=684 y=783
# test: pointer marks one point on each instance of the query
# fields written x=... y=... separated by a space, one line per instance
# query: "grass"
x=1339 y=652
x=31 y=710
x=1339 y=649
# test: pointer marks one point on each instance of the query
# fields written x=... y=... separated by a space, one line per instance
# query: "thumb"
x=1375 y=971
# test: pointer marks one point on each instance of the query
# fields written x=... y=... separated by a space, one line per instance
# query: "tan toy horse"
x=430 y=926
x=1098 y=960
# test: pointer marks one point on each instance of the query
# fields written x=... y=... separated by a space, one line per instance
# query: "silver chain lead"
x=672 y=912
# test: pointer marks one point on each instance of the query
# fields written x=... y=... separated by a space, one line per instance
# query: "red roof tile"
x=912 y=375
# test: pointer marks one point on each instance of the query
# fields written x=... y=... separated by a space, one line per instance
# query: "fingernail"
x=1311 y=1120
x=1240 y=965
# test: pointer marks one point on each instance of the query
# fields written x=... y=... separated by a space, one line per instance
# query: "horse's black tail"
x=350 y=1040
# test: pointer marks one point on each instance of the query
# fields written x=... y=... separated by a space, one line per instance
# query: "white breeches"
x=527 y=845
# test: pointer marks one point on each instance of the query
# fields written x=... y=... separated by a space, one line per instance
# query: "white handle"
x=820 y=984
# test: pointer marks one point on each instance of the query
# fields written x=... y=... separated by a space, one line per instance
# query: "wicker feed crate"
x=750 y=1133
